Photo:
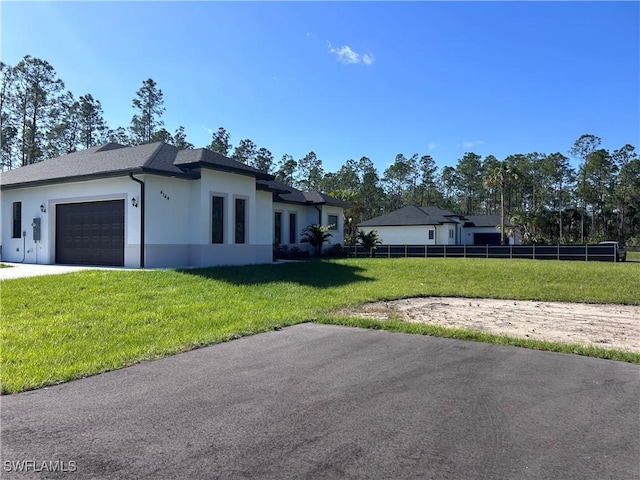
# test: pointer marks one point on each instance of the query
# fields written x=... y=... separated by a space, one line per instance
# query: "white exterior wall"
x=167 y=220
x=43 y=252
x=308 y=215
x=169 y=213
x=264 y=215
x=443 y=234
x=403 y=235
x=418 y=234
x=178 y=228
x=338 y=234
x=302 y=219
x=415 y=234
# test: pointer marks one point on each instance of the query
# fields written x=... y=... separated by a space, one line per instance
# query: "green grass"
x=60 y=327
x=477 y=336
x=3 y=265
x=633 y=256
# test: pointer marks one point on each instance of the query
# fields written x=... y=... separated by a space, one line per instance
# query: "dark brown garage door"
x=90 y=233
x=486 y=239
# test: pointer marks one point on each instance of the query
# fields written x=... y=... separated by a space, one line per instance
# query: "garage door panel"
x=486 y=238
x=90 y=233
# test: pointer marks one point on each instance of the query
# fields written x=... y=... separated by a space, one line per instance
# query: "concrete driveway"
x=22 y=270
x=316 y=401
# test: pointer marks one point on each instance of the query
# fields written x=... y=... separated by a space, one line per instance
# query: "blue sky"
x=353 y=79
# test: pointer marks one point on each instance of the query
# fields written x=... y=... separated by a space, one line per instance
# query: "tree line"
x=539 y=194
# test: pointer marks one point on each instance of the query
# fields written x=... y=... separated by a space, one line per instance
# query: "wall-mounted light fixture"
x=134 y=202
x=43 y=209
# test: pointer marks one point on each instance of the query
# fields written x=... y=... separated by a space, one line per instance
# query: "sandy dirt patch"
x=607 y=326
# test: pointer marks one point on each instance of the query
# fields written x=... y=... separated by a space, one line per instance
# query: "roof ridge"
x=155 y=153
x=105 y=147
x=421 y=209
x=202 y=152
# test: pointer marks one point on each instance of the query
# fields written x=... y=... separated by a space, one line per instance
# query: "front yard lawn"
x=60 y=327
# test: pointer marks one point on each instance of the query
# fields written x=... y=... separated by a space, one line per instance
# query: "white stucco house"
x=414 y=225
x=153 y=206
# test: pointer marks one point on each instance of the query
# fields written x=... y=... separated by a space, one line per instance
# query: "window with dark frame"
x=217 y=220
x=277 y=228
x=431 y=234
x=451 y=233
x=292 y=228
x=333 y=222
x=240 y=230
x=17 y=220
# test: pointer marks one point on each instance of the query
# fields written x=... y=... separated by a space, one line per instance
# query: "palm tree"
x=518 y=227
x=502 y=175
x=369 y=240
x=316 y=236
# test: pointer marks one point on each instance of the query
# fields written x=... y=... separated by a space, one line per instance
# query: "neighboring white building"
x=186 y=207
x=414 y=225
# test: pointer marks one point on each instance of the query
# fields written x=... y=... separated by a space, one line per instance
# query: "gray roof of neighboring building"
x=481 y=220
x=285 y=193
x=111 y=159
x=413 y=215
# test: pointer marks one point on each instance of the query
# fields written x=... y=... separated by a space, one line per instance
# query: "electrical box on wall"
x=36 y=229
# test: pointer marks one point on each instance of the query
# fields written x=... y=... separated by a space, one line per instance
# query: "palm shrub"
x=501 y=176
x=316 y=236
x=369 y=240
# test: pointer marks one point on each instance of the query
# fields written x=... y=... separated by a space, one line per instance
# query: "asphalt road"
x=315 y=401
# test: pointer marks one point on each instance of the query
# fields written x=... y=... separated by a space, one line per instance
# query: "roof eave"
x=182 y=175
x=341 y=205
x=221 y=168
x=98 y=176
x=267 y=188
x=290 y=202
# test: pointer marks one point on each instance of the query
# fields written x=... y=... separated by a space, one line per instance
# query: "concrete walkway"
x=22 y=270
x=320 y=401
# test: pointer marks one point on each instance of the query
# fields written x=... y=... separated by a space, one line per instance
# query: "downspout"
x=319 y=209
x=141 y=217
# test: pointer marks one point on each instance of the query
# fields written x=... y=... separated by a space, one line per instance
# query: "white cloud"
x=433 y=146
x=467 y=144
x=346 y=55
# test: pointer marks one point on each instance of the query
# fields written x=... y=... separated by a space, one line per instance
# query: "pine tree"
x=149 y=105
x=220 y=142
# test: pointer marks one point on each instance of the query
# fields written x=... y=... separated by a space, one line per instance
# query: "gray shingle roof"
x=203 y=157
x=412 y=215
x=114 y=160
x=288 y=194
x=481 y=220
